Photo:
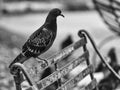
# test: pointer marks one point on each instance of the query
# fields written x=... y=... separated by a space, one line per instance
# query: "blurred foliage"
x=6 y=56
x=10 y=39
x=6 y=81
x=39 y=6
x=75 y=5
x=9 y=48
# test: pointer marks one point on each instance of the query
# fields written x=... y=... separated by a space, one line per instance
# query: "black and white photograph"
x=59 y=44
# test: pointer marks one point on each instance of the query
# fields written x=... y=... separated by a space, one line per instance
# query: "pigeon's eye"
x=58 y=12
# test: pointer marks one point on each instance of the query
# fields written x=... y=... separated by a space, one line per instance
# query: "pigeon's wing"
x=38 y=41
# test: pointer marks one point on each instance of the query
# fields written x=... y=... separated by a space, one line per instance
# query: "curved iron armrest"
x=81 y=34
x=22 y=68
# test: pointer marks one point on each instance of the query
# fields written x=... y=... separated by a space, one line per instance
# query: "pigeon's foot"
x=44 y=64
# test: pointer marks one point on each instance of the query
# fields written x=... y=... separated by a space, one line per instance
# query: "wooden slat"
x=65 y=52
x=61 y=72
x=91 y=85
x=72 y=82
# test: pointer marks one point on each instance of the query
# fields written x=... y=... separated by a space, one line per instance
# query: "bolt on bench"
x=59 y=73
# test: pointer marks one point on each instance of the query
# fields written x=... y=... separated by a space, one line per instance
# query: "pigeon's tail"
x=20 y=59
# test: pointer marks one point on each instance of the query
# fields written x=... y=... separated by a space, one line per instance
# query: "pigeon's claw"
x=44 y=64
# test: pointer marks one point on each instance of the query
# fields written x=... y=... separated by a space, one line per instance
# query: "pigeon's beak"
x=62 y=15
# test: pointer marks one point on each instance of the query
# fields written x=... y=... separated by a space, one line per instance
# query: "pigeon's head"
x=56 y=12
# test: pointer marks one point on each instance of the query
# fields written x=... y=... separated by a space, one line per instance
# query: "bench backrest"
x=62 y=71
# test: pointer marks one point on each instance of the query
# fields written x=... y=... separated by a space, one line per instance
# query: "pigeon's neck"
x=51 y=19
x=51 y=22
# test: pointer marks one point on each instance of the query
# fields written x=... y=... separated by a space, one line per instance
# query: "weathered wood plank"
x=72 y=82
x=65 y=52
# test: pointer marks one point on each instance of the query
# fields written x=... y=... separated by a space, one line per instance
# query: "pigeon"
x=41 y=40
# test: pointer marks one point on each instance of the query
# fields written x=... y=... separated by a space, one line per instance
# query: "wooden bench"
x=32 y=75
x=110 y=13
